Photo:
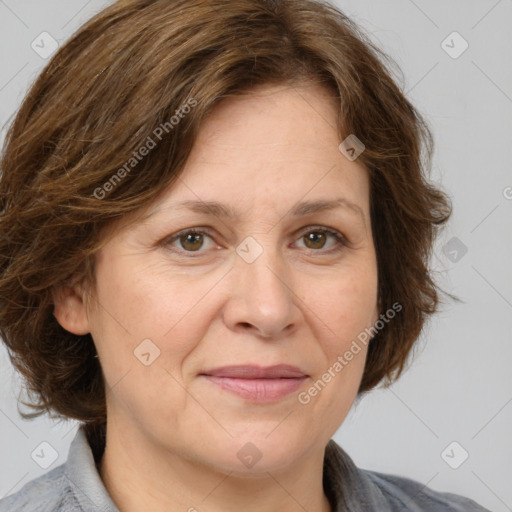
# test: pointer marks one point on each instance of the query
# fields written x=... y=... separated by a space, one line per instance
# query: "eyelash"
x=340 y=239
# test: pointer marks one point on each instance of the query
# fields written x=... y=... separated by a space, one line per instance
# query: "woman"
x=215 y=234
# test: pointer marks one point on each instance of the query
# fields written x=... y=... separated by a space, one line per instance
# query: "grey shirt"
x=76 y=486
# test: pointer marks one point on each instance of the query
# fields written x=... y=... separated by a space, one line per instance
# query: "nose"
x=261 y=298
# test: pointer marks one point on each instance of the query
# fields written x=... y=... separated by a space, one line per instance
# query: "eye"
x=195 y=240
x=315 y=239
x=190 y=240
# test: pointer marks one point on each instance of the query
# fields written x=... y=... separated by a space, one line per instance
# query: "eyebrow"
x=301 y=209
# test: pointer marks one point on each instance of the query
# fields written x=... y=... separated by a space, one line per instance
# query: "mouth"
x=255 y=383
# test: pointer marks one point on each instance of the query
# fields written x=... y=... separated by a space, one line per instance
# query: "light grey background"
x=459 y=387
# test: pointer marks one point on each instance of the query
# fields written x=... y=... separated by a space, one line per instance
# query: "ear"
x=70 y=309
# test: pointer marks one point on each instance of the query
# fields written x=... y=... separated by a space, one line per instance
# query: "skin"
x=172 y=436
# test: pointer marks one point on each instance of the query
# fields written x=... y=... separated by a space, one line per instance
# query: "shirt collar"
x=84 y=478
x=347 y=487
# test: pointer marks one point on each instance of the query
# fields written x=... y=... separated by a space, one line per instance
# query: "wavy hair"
x=126 y=72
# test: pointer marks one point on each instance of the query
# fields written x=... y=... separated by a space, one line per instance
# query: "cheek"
x=346 y=304
x=138 y=302
x=134 y=305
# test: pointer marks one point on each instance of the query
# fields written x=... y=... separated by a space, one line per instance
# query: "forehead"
x=272 y=115
x=274 y=149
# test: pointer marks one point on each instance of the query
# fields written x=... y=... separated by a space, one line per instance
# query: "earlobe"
x=70 y=310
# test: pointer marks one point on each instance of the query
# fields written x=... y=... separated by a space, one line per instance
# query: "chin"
x=256 y=452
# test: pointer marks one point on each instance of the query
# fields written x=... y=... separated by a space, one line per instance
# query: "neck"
x=141 y=475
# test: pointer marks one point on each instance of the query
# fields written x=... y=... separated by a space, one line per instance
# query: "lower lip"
x=258 y=390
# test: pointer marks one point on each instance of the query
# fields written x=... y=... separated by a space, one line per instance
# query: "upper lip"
x=280 y=371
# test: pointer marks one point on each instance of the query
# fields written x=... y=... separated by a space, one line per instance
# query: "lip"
x=250 y=371
x=256 y=383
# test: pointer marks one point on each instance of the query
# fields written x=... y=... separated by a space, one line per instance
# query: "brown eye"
x=191 y=241
x=315 y=240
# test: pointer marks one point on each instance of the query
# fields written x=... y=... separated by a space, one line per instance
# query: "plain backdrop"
x=447 y=421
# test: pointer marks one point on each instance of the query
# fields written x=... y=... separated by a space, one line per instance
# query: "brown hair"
x=125 y=73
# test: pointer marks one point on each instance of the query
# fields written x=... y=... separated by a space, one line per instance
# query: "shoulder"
x=352 y=488
x=50 y=492
x=406 y=494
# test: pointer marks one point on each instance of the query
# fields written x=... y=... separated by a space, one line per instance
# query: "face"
x=265 y=282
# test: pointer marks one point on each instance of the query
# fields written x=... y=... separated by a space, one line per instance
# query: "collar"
x=84 y=478
x=348 y=488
